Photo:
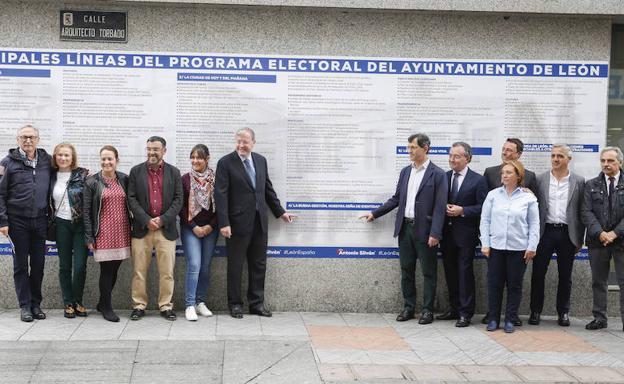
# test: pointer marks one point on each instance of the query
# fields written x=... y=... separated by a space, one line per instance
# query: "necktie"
x=455 y=187
x=611 y=192
x=250 y=172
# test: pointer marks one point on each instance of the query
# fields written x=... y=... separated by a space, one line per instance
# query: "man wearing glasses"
x=155 y=199
x=24 y=184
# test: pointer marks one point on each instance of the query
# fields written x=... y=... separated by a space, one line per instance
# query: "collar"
x=565 y=178
x=616 y=176
x=160 y=166
x=24 y=155
x=423 y=166
x=243 y=158
x=462 y=173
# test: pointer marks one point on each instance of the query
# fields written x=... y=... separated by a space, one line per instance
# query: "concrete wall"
x=313 y=284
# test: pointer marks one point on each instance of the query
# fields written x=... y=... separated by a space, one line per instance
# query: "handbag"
x=51 y=230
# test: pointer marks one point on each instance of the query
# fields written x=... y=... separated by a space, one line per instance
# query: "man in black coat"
x=243 y=192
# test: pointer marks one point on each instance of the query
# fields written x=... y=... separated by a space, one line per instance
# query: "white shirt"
x=460 y=178
x=615 y=182
x=558 y=200
x=416 y=176
x=61 y=200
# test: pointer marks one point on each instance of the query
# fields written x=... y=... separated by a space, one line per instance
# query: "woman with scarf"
x=198 y=224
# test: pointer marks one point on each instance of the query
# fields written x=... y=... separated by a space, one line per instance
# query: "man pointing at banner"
x=243 y=192
x=420 y=196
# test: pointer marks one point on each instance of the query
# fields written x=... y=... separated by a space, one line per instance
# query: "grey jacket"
x=576 y=228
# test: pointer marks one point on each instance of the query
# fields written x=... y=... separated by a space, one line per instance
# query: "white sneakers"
x=190 y=313
x=202 y=309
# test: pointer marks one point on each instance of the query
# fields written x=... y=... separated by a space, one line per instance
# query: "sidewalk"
x=298 y=348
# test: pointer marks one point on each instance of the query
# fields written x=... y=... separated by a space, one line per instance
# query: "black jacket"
x=595 y=212
x=138 y=200
x=23 y=189
x=93 y=191
x=75 y=187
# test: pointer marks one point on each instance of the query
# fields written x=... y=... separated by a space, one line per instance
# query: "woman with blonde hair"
x=66 y=185
x=510 y=231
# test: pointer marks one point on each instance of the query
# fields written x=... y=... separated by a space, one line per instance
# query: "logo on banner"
x=68 y=19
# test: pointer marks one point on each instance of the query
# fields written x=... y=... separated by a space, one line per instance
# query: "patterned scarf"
x=201 y=195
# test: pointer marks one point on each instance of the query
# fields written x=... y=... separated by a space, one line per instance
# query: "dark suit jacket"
x=471 y=194
x=138 y=200
x=429 y=206
x=576 y=229
x=595 y=211
x=493 y=177
x=236 y=198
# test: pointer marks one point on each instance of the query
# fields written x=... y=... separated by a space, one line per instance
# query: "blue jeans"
x=198 y=254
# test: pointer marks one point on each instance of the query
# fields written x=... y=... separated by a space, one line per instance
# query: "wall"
x=314 y=284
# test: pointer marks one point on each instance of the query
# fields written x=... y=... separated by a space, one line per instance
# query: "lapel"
x=571 y=188
x=166 y=193
x=144 y=182
x=426 y=176
x=466 y=183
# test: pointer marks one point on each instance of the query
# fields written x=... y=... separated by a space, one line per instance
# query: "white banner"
x=334 y=130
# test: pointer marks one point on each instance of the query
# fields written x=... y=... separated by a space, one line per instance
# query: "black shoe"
x=405 y=315
x=426 y=318
x=168 y=314
x=236 y=311
x=260 y=310
x=449 y=315
x=38 y=313
x=462 y=322
x=26 y=315
x=596 y=324
x=485 y=319
x=517 y=322
x=110 y=315
x=534 y=319
x=135 y=315
x=563 y=320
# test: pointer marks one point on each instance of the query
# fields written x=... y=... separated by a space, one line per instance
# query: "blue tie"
x=455 y=187
x=250 y=172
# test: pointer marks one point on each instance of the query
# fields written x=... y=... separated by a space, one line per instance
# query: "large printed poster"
x=334 y=129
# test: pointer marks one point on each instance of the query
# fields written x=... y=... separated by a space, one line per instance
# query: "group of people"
x=119 y=217
x=517 y=217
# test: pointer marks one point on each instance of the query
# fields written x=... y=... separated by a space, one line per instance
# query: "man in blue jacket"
x=420 y=196
x=24 y=184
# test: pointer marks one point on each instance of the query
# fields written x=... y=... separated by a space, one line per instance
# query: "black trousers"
x=108 y=278
x=505 y=268
x=28 y=236
x=252 y=248
x=459 y=273
x=555 y=239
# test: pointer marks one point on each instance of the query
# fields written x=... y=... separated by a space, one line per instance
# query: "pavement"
x=301 y=347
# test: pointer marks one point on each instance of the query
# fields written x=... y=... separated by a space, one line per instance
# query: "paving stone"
x=174 y=373
x=428 y=373
x=323 y=318
x=547 y=374
x=369 y=372
x=203 y=329
x=336 y=372
x=95 y=327
x=150 y=327
x=17 y=374
x=78 y=353
x=342 y=356
x=595 y=374
x=22 y=353
x=487 y=373
x=370 y=338
x=101 y=374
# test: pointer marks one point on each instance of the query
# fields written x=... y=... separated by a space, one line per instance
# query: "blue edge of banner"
x=304 y=252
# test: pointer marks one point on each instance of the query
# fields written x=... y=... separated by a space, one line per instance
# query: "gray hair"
x=617 y=151
x=249 y=131
x=27 y=126
x=467 y=149
x=421 y=139
x=566 y=149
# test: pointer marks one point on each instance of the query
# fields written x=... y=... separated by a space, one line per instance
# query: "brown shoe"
x=80 y=310
x=69 y=311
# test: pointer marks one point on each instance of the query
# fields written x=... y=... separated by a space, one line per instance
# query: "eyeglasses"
x=26 y=138
x=153 y=150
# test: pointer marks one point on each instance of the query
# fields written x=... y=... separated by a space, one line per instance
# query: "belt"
x=557 y=225
x=408 y=220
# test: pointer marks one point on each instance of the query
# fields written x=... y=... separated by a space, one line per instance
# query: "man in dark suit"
x=467 y=191
x=421 y=200
x=512 y=150
x=602 y=213
x=155 y=199
x=560 y=194
x=243 y=192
